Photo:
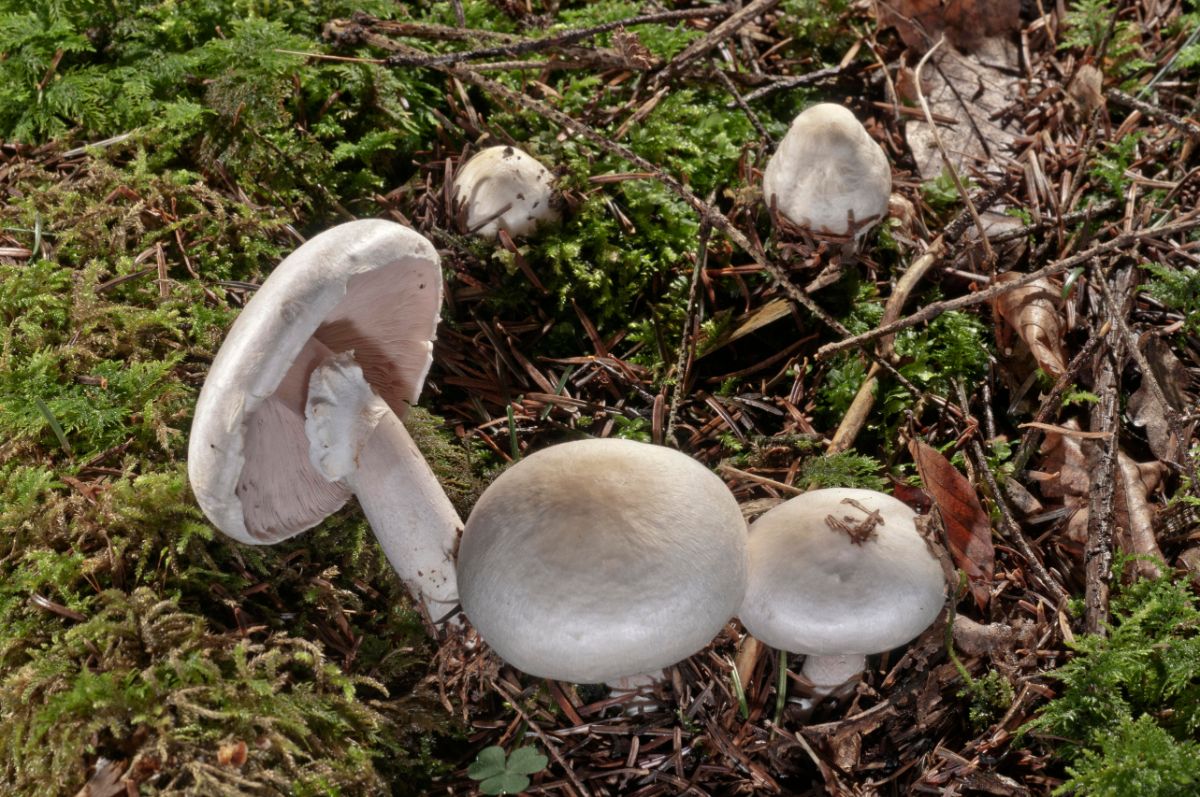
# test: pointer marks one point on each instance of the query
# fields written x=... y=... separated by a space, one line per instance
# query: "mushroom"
x=504 y=188
x=828 y=175
x=598 y=560
x=838 y=574
x=337 y=341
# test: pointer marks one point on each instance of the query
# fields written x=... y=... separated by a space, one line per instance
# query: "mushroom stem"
x=355 y=438
x=827 y=673
x=632 y=689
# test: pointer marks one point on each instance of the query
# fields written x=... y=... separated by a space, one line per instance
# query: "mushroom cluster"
x=591 y=561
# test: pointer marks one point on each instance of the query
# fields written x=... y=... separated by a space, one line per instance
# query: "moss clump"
x=1129 y=708
x=141 y=680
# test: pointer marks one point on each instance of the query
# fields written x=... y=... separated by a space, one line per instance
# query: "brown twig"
x=686 y=341
x=1185 y=126
x=783 y=84
x=720 y=33
x=549 y=43
x=1012 y=529
x=1101 y=503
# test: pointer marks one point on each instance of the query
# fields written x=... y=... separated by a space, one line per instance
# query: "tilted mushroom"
x=838 y=574
x=828 y=172
x=596 y=560
x=504 y=188
x=338 y=339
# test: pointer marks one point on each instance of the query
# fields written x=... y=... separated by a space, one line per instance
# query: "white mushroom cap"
x=594 y=560
x=505 y=188
x=826 y=168
x=372 y=287
x=814 y=590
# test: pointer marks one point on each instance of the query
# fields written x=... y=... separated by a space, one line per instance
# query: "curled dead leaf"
x=968 y=526
x=1033 y=312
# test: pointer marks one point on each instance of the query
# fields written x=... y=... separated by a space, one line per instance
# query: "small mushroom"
x=838 y=574
x=598 y=560
x=504 y=188
x=336 y=341
x=828 y=175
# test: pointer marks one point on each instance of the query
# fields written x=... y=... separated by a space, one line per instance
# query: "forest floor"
x=1014 y=351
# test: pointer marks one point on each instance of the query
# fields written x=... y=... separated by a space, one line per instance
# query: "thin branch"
x=1185 y=126
x=783 y=84
x=1101 y=504
x=681 y=362
x=1012 y=529
x=548 y=43
x=715 y=36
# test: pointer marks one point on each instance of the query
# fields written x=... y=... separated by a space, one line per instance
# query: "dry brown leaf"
x=1066 y=474
x=965 y=22
x=973 y=90
x=232 y=754
x=1033 y=311
x=968 y=527
x=1086 y=91
x=1148 y=412
x=1135 y=516
x=106 y=781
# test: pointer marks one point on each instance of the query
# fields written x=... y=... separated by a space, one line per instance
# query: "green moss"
x=1129 y=703
x=140 y=677
x=451 y=461
x=844 y=469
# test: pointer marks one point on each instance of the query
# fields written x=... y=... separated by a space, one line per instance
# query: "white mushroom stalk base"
x=827 y=673
x=355 y=438
x=632 y=691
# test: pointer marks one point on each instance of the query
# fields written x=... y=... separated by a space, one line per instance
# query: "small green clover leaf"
x=498 y=776
x=526 y=761
x=488 y=764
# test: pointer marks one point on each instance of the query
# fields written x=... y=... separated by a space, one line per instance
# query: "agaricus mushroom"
x=828 y=175
x=838 y=574
x=504 y=188
x=597 y=560
x=338 y=339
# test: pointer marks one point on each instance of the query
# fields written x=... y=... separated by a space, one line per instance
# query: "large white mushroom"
x=828 y=175
x=597 y=560
x=839 y=574
x=338 y=339
x=504 y=188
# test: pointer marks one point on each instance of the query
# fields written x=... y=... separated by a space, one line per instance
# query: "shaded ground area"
x=1014 y=350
